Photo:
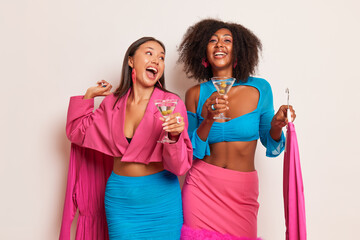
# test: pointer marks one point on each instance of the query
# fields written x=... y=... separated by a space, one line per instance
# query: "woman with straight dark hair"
x=142 y=197
x=221 y=189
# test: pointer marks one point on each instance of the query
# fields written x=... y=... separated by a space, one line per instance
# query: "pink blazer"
x=103 y=130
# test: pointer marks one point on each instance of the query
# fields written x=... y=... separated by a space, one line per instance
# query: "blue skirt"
x=147 y=207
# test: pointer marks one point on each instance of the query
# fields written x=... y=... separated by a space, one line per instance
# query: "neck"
x=222 y=72
x=139 y=93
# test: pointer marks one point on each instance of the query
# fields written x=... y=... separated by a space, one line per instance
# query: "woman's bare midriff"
x=238 y=156
x=131 y=169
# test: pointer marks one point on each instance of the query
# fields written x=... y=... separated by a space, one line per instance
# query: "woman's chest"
x=133 y=116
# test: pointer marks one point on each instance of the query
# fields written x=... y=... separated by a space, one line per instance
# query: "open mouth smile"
x=151 y=72
x=220 y=54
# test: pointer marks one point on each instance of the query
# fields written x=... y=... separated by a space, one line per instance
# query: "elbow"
x=198 y=155
x=179 y=166
x=182 y=170
x=186 y=164
x=75 y=136
x=70 y=132
x=181 y=173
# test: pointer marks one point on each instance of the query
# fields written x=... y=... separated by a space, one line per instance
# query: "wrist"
x=88 y=95
x=209 y=121
x=275 y=133
x=276 y=128
x=174 y=137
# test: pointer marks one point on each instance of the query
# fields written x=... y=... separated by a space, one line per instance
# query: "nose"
x=155 y=60
x=219 y=44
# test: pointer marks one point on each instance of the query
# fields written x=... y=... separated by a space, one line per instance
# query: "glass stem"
x=166 y=135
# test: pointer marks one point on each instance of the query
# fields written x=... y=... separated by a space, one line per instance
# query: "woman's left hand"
x=174 y=125
x=280 y=118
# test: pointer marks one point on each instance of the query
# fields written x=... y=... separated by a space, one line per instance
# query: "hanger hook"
x=288 y=96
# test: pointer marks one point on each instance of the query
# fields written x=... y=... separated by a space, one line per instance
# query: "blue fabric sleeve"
x=200 y=148
x=273 y=148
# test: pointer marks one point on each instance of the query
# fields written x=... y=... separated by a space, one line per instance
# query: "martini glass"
x=223 y=86
x=166 y=108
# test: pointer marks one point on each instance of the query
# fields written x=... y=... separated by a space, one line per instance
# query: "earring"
x=160 y=84
x=204 y=62
x=235 y=63
x=133 y=76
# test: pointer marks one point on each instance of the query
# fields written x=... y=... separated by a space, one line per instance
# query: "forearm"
x=204 y=129
x=275 y=133
x=88 y=95
x=79 y=117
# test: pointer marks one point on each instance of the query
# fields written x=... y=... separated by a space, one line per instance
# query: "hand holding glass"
x=223 y=86
x=166 y=108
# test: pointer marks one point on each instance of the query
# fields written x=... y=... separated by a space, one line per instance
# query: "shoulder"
x=193 y=92
x=260 y=83
x=170 y=95
x=110 y=99
x=198 y=90
x=192 y=98
x=108 y=102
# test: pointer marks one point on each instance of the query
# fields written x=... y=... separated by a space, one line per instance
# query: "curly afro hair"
x=246 y=49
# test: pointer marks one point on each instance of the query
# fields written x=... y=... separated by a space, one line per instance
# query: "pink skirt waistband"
x=188 y=233
x=223 y=173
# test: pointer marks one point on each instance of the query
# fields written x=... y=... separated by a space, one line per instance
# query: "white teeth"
x=219 y=54
x=152 y=69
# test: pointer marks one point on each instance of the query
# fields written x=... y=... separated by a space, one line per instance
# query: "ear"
x=131 y=62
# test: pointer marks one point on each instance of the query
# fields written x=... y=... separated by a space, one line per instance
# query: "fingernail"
x=166 y=128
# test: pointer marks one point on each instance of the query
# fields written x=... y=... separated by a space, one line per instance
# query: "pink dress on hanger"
x=294 y=203
x=87 y=176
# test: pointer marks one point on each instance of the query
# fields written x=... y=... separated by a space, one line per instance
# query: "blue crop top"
x=248 y=127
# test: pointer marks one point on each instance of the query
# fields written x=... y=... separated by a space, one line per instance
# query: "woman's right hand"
x=102 y=89
x=217 y=102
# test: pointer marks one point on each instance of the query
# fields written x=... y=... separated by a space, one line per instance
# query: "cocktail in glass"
x=166 y=108
x=223 y=86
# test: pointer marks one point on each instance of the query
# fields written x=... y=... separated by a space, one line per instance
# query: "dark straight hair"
x=125 y=80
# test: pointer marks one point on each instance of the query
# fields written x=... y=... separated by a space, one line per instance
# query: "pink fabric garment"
x=188 y=233
x=87 y=176
x=103 y=130
x=294 y=202
x=220 y=200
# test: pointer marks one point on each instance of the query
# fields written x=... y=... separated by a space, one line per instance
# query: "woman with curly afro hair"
x=221 y=189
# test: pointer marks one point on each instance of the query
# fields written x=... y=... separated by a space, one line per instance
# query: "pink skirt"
x=220 y=201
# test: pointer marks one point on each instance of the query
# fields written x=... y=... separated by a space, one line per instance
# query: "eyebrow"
x=153 y=49
x=225 y=35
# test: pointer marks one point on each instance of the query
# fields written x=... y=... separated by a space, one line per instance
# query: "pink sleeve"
x=91 y=129
x=177 y=157
x=70 y=205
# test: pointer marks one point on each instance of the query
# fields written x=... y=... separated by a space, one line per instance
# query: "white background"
x=51 y=50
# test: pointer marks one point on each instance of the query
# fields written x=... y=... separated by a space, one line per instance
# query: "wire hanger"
x=287 y=91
